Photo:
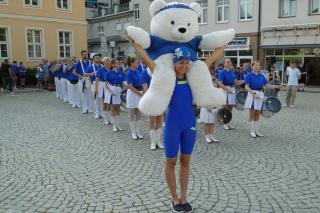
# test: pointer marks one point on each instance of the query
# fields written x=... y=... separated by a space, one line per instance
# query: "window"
x=3 y=2
x=32 y=3
x=136 y=11
x=246 y=10
x=288 y=8
x=4 y=42
x=223 y=7
x=100 y=31
x=34 y=38
x=65 y=44
x=314 y=6
x=203 y=19
x=63 y=4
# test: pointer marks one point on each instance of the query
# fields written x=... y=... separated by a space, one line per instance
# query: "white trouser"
x=58 y=87
x=99 y=107
x=75 y=91
x=69 y=92
x=64 y=85
x=87 y=100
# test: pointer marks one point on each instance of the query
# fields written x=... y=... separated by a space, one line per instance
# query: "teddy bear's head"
x=174 y=21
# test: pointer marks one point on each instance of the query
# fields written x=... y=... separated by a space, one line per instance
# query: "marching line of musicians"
x=97 y=87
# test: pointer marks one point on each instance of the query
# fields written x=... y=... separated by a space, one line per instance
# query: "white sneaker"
x=208 y=139
x=291 y=106
x=284 y=105
x=96 y=116
x=84 y=112
x=225 y=126
x=214 y=139
x=230 y=126
x=253 y=134
x=153 y=139
x=259 y=134
x=74 y=106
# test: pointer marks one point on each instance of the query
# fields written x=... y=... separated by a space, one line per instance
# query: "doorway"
x=312 y=69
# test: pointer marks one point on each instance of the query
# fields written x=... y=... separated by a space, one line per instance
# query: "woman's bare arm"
x=142 y=53
x=214 y=56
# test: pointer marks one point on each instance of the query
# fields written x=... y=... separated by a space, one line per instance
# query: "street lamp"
x=112 y=45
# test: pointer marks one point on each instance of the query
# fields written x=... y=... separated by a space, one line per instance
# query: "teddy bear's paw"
x=139 y=36
x=213 y=98
x=153 y=104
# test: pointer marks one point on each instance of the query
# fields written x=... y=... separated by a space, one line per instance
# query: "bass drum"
x=123 y=97
x=265 y=112
x=273 y=104
x=241 y=99
x=224 y=116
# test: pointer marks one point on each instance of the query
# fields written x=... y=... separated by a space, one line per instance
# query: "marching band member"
x=226 y=81
x=155 y=122
x=134 y=93
x=208 y=118
x=101 y=76
x=64 y=81
x=85 y=89
x=95 y=96
x=73 y=85
x=69 y=63
x=114 y=81
x=254 y=83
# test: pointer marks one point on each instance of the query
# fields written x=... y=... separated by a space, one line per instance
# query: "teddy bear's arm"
x=139 y=36
x=217 y=39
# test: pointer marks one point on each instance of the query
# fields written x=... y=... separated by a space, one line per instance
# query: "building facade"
x=32 y=30
x=290 y=30
x=272 y=31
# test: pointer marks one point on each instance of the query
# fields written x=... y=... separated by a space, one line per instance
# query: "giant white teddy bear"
x=174 y=25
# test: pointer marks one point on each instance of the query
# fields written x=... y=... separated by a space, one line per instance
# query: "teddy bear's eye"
x=189 y=24
x=172 y=22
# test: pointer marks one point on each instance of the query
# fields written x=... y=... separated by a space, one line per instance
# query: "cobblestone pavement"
x=53 y=159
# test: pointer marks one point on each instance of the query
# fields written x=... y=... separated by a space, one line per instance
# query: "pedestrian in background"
x=22 y=75
x=7 y=76
x=294 y=75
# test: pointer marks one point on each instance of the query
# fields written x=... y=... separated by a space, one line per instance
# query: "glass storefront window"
x=245 y=53
x=231 y=53
x=279 y=51
x=291 y=51
x=269 y=51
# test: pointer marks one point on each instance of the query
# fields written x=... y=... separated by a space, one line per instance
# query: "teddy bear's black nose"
x=182 y=30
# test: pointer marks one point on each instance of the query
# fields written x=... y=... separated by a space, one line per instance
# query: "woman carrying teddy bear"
x=180 y=124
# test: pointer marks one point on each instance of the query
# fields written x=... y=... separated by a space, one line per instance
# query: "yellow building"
x=32 y=30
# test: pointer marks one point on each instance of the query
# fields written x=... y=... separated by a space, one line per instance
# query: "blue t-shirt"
x=102 y=73
x=240 y=75
x=227 y=77
x=255 y=82
x=15 y=69
x=78 y=67
x=90 y=69
x=133 y=77
x=141 y=68
x=160 y=47
x=145 y=78
x=114 y=77
x=71 y=76
x=22 y=71
x=64 y=71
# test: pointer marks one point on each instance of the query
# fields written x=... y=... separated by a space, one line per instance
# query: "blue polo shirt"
x=255 y=82
x=141 y=68
x=71 y=76
x=78 y=67
x=22 y=71
x=145 y=78
x=133 y=77
x=64 y=74
x=91 y=70
x=227 y=77
x=102 y=74
x=59 y=72
x=114 y=77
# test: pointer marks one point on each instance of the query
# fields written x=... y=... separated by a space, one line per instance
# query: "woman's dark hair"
x=131 y=60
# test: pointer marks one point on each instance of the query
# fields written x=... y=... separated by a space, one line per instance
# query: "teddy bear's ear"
x=156 y=6
x=197 y=8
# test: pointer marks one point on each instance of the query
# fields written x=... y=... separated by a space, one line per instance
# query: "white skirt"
x=230 y=97
x=113 y=99
x=100 y=88
x=132 y=99
x=257 y=101
x=208 y=117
